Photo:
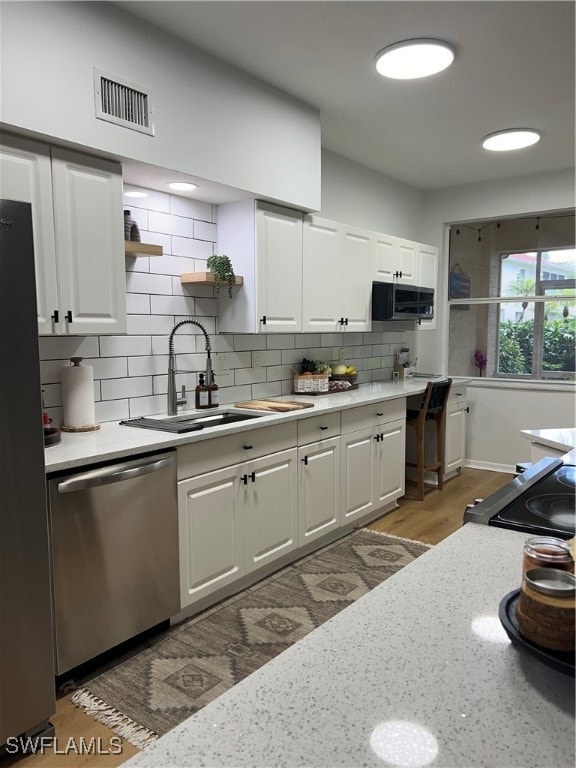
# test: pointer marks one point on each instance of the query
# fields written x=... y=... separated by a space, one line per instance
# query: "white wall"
x=498 y=413
x=356 y=195
x=211 y=120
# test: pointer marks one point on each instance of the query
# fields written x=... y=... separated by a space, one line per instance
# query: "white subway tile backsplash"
x=138 y=303
x=247 y=341
x=140 y=325
x=205 y=231
x=173 y=305
x=167 y=224
x=191 y=209
x=118 y=346
x=149 y=365
x=142 y=282
x=136 y=386
x=65 y=347
x=112 y=410
x=270 y=389
x=130 y=372
x=192 y=249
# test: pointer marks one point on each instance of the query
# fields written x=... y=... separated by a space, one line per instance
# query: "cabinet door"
x=271 y=502
x=392 y=256
x=389 y=462
x=455 y=437
x=89 y=225
x=356 y=258
x=428 y=265
x=26 y=176
x=319 y=489
x=279 y=269
x=357 y=469
x=321 y=279
x=211 y=532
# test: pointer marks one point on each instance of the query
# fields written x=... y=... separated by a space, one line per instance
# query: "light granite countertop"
x=116 y=441
x=417 y=672
x=553 y=438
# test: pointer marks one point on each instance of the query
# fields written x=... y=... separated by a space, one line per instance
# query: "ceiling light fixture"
x=182 y=186
x=411 y=59
x=512 y=138
x=134 y=193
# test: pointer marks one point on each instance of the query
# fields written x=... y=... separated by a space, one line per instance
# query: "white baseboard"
x=491 y=466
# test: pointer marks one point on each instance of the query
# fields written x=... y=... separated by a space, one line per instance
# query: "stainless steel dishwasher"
x=114 y=536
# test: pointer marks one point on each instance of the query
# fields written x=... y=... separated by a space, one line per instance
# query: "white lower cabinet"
x=455 y=439
x=211 y=525
x=372 y=457
x=319 y=489
x=271 y=504
x=234 y=520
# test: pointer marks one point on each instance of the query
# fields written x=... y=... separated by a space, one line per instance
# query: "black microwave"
x=392 y=301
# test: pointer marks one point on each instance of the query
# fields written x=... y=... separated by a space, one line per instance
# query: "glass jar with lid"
x=547 y=552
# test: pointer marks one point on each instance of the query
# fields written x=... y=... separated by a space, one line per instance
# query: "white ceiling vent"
x=122 y=102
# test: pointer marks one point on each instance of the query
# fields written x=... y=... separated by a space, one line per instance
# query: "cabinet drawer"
x=368 y=416
x=208 y=455
x=457 y=393
x=318 y=428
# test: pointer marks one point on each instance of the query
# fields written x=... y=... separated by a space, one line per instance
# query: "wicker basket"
x=317 y=382
x=351 y=377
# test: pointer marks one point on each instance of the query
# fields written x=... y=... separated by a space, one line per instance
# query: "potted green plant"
x=221 y=268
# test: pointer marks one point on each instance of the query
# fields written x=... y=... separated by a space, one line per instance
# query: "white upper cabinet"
x=264 y=244
x=337 y=268
x=78 y=229
x=395 y=260
x=427 y=265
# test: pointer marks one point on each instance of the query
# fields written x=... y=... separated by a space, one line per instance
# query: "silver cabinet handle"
x=114 y=474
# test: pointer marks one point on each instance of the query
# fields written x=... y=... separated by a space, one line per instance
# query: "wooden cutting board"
x=273 y=405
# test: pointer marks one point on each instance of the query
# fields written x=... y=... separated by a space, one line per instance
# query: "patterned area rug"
x=192 y=663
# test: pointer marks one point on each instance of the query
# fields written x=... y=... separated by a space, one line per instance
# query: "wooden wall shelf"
x=205 y=278
x=133 y=248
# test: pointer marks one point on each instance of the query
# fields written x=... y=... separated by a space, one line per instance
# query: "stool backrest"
x=435 y=397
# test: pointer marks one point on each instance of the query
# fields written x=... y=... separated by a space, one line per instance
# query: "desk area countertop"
x=115 y=441
x=423 y=655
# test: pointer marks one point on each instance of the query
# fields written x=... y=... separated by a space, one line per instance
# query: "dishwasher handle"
x=114 y=474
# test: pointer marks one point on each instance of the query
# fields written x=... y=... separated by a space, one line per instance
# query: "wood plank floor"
x=430 y=521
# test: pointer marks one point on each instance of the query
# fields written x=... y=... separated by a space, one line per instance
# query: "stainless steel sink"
x=189 y=422
x=207 y=419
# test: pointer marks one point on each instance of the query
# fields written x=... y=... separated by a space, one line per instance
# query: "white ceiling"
x=514 y=67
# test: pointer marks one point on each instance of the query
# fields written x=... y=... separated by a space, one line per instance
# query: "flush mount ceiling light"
x=411 y=59
x=512 y=138
x=134 y=193
x=182 y=186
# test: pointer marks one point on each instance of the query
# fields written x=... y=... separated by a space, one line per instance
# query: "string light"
x=479 y=230
x=537 y=223
x=479 y=236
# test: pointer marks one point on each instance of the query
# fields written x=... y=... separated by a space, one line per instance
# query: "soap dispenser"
x=202 y=393
x=213 y=395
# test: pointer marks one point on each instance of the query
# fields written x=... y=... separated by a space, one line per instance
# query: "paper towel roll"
x=78 y=396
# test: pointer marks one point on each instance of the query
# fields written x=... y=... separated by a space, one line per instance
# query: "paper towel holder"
x=75 y=361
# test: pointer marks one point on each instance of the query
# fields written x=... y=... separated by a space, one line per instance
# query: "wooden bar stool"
x=433 y=408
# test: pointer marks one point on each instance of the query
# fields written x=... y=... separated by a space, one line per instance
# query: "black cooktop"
x=546 y=507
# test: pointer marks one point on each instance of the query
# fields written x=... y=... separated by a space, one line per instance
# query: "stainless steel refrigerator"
x=27 y=689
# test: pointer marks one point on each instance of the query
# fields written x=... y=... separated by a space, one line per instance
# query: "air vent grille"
x=123 y=103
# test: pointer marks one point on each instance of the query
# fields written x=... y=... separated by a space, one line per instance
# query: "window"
x=520 y=311
x=536 y=338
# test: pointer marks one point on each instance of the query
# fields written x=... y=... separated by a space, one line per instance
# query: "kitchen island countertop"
x=422 y=655
x=553 y=438
x=116 y=441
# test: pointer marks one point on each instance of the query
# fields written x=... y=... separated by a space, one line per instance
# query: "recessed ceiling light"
x=512 y=138
x=411 y=59
x=134 y=193
x=182 y=186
